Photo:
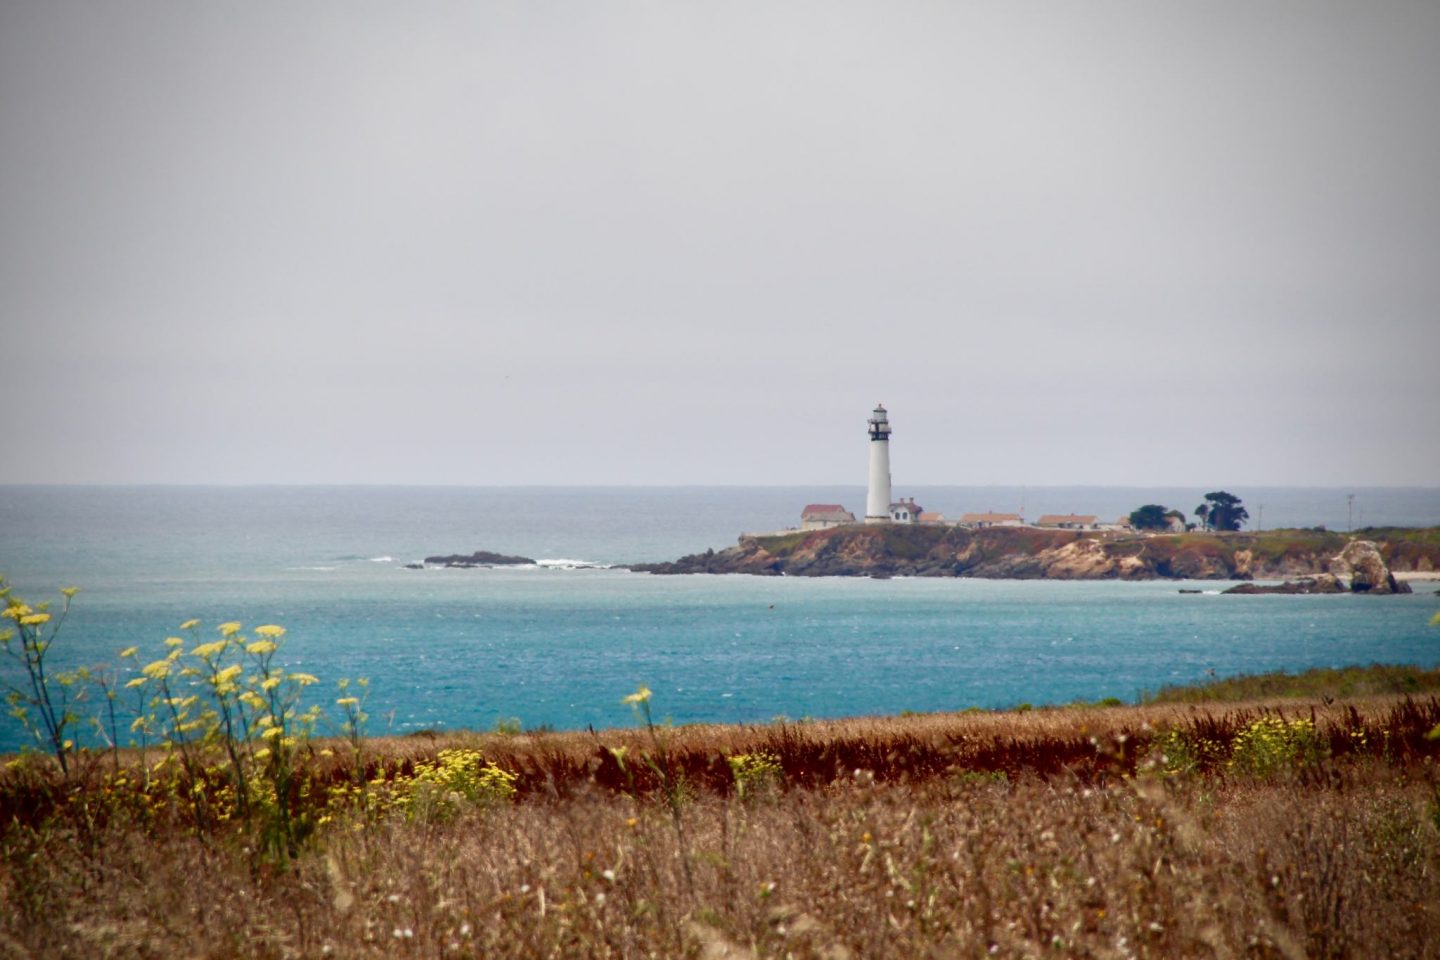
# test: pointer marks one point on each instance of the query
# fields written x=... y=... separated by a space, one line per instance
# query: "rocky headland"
x=1365 y=561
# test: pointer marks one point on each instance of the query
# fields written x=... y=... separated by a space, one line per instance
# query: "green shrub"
x=509 y=726
x=1272 y=745
x=455 y=779
x=756 y=774
x=1175 y=752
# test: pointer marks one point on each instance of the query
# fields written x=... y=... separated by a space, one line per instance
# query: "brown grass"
x=1043 y=833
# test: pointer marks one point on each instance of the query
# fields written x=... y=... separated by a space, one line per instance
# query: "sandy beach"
x=1417 y=575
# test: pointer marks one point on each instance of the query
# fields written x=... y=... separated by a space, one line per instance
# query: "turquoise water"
x=462 y=648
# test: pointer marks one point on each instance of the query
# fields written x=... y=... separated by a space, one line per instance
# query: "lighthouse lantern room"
x=877 y=500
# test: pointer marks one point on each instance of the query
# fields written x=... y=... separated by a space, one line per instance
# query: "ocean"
x=559 y=644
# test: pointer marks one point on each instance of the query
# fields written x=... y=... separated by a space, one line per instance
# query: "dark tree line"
x=1153 y=516
x=1221 y=511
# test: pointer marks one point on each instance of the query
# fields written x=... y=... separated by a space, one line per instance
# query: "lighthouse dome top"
x=880 y=426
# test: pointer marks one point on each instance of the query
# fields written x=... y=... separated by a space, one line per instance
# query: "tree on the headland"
x=1152 y=516
x=1221 y=511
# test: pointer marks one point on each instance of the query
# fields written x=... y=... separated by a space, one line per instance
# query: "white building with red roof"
x=905 y=511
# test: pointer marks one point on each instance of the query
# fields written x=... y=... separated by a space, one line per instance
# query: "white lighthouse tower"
x=877 y=500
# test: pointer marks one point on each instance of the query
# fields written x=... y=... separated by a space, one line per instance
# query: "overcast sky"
x=599 y=242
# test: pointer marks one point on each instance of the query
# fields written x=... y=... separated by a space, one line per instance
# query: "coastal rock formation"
x=904 y=550
x=1082 y=559
x=1367 y=569
x=1078 y=560
x=480 y=558
x=1320 y=583
x=1244 y=559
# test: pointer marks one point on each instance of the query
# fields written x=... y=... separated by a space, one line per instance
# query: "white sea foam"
x=382 y=559
x=564 y=563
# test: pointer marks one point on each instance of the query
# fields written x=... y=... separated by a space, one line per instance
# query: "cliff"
x=1026 y=553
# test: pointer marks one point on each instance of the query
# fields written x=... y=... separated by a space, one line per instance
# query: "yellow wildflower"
x=229 y=629
x=261 y=647
x=641 y=695
x=270 y=630
x=35 y=619
x=272 y=732
x=174 y=642
x=157 y=670
x=229 y=673
x=252 y=700
x=189 y=624
x=17 y=610
x=69 y=592
x=348 y=702
x=269 y=683
x=129 y=652
x=207 y=650
x=304 y=679
x=137 y=682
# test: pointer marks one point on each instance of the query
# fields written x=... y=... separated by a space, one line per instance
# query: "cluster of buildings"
x=820 y=516
x=880 y=508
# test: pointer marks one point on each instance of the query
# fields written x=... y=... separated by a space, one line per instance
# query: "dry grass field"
x=1282 y=829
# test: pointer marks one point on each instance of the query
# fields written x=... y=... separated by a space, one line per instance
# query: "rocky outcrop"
x=480 y=558
x=1320 y=583
x=887 y=550
x=1362 y=561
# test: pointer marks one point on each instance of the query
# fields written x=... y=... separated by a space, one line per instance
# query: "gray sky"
x=592 y=242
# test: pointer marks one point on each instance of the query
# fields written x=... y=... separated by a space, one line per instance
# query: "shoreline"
x=1417 y=576
x=1411 y=554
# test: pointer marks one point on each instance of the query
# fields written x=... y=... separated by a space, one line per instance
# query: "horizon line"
x=81 y=484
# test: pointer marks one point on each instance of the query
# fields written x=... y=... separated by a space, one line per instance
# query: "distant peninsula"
x=920 y=550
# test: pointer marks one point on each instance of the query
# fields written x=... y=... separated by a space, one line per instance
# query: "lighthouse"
x=877 y=500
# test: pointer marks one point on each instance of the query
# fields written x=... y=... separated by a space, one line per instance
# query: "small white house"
x=906 y=511
x=822 y=516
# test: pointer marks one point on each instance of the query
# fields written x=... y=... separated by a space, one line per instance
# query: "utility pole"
x=1260 y=519
x=1349 y=512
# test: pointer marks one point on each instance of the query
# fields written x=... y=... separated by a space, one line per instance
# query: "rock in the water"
x=480 y=558
x=1321 y=583
x=1367 y=569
